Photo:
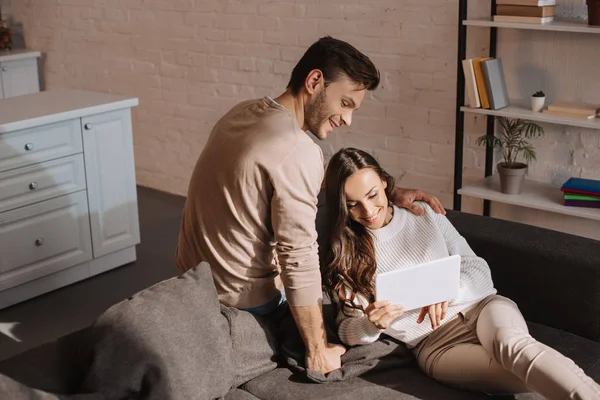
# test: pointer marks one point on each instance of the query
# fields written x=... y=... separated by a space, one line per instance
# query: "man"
x=252 y=200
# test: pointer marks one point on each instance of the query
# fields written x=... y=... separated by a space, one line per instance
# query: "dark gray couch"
x=553 y=277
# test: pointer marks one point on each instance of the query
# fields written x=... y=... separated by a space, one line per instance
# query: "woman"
x=478 y=341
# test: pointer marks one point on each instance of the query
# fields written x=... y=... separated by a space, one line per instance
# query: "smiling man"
x=252 y=200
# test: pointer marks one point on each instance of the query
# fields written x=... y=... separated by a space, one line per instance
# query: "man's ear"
x=313 y=80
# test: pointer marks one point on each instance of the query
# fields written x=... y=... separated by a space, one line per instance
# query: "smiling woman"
x=477 y=340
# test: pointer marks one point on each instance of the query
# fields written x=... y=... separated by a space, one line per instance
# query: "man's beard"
x=316 y=114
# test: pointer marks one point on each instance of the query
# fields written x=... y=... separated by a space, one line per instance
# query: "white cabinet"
x=108 y=150
x=68 y=201
x=19 y=73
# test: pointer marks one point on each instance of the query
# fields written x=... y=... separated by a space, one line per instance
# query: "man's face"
x=332 y=106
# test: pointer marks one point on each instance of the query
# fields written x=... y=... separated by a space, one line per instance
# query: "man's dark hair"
x=334 y=57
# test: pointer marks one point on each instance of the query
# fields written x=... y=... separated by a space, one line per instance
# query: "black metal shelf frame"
x=460 y=99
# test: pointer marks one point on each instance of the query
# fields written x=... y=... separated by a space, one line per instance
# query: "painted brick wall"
x=190 y=61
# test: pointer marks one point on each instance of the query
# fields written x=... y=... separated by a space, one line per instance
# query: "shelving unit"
x=535 y=195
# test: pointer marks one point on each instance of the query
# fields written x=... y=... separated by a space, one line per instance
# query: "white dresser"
x=19 y=73
x=68 y=202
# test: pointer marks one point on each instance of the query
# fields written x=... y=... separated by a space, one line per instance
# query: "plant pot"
x=511 y=179
x=537 y=103
x=593 y=12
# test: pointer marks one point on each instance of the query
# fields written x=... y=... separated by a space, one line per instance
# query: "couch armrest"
x=554 y=277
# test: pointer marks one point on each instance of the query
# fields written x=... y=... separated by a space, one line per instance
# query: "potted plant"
x=511 y=140
x=537 y=101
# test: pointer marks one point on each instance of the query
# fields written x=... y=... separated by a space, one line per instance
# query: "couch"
x=554 y=278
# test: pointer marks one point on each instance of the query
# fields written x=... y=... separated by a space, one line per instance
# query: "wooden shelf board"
x=525 y=113
x=536 y=195
x=555 y=26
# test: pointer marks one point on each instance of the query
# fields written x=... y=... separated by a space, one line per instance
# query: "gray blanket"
x=383 y=354
x=260 y=344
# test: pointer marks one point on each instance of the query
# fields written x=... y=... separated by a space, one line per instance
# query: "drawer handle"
x=4 y=69
x=88 y=127
x=33 y=185
x=29 y=146
x=39 y=242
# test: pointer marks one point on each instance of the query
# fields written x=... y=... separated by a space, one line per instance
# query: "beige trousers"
x=489 y=349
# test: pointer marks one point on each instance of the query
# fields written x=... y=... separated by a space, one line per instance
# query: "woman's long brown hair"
x=350 y=256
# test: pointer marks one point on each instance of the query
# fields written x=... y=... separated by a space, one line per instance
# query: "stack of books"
x=484 y=83
x=573 y=109
x=525 y=11
x=579 y=192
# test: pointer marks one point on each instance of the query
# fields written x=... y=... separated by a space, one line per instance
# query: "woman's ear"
x=384 y=181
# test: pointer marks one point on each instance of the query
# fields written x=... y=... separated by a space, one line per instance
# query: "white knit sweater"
x=408 y=240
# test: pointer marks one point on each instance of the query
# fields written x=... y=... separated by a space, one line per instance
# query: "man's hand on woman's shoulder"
x=406 y=198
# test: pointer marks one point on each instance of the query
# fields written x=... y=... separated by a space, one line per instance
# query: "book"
x=471 y=83
x=559 y=113
x=525 y=11
x=479 y=78
x=589 y=185
x=575 y=107
x=575 y=191
x=523 y=20
x=495 y=83
x=582 y=203
x=533 y=3
x=574 y=196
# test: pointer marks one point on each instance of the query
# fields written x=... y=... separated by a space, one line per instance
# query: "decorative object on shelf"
x=537 y=101
x=593 y=12
x=5 y=36
x=512 y=141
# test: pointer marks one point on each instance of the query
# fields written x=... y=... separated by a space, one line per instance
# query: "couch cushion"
x=410 y=382
x=169 y=341
x=397 y=384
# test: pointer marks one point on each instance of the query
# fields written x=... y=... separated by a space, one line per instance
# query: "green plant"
x=539 y=93
x=512 y=139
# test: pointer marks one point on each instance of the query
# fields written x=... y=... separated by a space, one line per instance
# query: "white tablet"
x=420 y=285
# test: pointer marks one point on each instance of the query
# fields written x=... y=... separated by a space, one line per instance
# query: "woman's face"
x=366 y=199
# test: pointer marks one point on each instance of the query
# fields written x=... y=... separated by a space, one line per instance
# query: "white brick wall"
x=190 y=61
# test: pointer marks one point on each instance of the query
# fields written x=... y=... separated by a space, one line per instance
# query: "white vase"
x=537 y=103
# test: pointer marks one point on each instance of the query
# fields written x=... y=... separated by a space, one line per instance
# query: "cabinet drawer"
x=22 y=186
x=42 y=143
x=44 y=238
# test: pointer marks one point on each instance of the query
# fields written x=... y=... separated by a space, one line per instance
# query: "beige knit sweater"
x=251 y=208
